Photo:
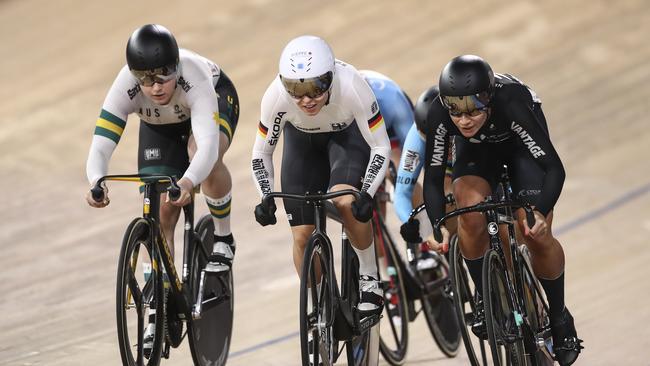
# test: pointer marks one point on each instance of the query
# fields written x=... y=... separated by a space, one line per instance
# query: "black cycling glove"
x=362 y=207
x=265 y=214
x=410 y=231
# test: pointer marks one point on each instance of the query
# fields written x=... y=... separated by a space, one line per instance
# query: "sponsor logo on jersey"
x=529 y=192
x=275 y=132
x=133 y=91
x=438 y=146
x=185 y=85
x=376 y=121
x=179 y=113
x=338 y=126
x=307 y=129
x=532 y=146
x=405 y=180
x=411 y=160
x=373 y=171
x=261 y=175
x=152 y=154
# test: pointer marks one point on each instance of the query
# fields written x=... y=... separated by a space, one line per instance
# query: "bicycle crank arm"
x=214 y=301
x=429 y=287
x=197 y=308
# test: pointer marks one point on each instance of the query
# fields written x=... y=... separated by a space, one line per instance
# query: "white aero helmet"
x=307 y=67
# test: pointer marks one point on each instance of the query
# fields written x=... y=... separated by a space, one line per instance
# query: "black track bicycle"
x=148 y=284
x=407 y=283
x=328 y=315
x=515 y=308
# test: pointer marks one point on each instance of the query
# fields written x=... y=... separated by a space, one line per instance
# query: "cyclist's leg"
x=348 y=157
x=395 y=154
x=162 y=149
x=169 y=215
x=547 y=257
x=218 y=185
x=473 y=173
x=304 y=169
x=301 y=234
x=217 y=191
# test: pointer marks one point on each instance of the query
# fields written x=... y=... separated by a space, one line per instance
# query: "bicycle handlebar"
x=97 y=191
x=482 y=207
x=448 y=198
x=310 y=196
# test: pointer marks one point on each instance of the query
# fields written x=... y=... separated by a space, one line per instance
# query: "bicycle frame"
x=342 y=304
x=153 y=186
x=500 y=212
x=345 y=322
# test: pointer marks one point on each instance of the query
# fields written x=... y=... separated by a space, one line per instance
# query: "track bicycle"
x=198 y=298
x=408 y=282
x=327 y=313
x=516 y=312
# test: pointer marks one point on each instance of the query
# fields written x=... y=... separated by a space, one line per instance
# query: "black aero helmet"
x=466 y=76
x=151 y=46
x=423 y=105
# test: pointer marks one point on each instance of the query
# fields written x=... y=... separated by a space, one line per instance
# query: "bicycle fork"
x=495 y=243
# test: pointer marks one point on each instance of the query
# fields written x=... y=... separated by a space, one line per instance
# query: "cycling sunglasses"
x=312 y=87
x=471 y=105
x=158 y=75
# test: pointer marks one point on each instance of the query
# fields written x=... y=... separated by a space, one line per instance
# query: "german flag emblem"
x=376 y=121
x=262 y=130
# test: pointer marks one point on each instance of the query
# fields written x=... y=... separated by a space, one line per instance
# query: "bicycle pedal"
x=216 y=268
x=368 y=322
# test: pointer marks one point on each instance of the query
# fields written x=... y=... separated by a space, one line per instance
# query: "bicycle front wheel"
x=139 y=294
x=210 y=336
x=463 y=294
x=501 y=315
x=316 y=311
x=537 y=331
x=393 y=340
x=364 y=349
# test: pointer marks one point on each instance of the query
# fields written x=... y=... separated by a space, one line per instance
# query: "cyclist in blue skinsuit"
x=407 y=145
x=396 y=108
x=408 y=193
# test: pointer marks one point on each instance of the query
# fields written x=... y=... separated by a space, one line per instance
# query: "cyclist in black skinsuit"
x=499 y=121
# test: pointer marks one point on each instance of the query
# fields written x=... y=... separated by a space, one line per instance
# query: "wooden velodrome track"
x=587 y=60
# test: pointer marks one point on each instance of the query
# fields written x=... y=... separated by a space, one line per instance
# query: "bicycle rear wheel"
x=393 y=341
x=463 y=294
x=210 y=336
x=501 y=315
x=439 y=310
x=316 y=310
x=138 y=294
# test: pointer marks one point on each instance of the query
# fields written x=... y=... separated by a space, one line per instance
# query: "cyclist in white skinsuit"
x=335 y=139
x=188 y=109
